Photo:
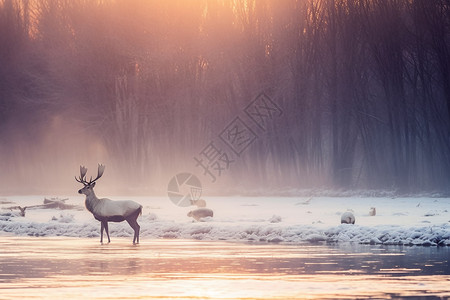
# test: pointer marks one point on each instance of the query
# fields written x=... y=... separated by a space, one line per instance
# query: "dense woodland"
x=363 y=87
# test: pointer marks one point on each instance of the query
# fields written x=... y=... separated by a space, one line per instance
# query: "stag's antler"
x=101 y=169
x=83 y=171
x=82 y=178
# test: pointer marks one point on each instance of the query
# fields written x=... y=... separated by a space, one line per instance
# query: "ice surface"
x=402 y=221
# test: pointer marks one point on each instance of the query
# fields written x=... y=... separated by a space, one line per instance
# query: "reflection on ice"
x=185 y=269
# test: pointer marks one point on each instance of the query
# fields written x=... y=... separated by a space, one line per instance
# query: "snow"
x=398 y=221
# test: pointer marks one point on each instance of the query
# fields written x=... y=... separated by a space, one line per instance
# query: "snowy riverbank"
x=404 y=221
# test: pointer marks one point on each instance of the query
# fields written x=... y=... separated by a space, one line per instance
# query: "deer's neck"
x=91 y=202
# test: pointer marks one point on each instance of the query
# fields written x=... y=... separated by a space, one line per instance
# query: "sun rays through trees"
x=144 y=85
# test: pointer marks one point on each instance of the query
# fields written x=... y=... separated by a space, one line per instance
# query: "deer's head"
x=88 y=185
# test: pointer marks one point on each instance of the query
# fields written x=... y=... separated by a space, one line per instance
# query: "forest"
x=249 y=95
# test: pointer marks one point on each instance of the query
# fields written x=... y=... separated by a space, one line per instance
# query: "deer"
x=106 y=210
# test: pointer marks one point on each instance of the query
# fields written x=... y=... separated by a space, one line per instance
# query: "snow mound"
x=275 y=219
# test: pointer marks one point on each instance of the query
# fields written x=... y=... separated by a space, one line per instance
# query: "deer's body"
x=106 y=210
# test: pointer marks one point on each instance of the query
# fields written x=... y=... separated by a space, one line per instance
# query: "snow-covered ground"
x=404 y=221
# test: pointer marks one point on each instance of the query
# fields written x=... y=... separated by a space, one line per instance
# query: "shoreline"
x=406 y=221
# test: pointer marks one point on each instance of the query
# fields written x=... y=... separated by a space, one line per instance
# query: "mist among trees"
x=362 y=87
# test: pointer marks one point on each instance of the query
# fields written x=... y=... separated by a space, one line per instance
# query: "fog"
x=250 y=96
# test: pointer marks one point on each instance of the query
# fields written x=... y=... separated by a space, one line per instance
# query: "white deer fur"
x=106 y=210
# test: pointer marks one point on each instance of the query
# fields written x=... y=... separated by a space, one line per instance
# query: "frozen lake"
x=69 y=268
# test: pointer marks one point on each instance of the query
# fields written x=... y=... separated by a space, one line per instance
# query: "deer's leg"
x=107 y=231
x=138 y=229
x=101 y=231
x=133 y=223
